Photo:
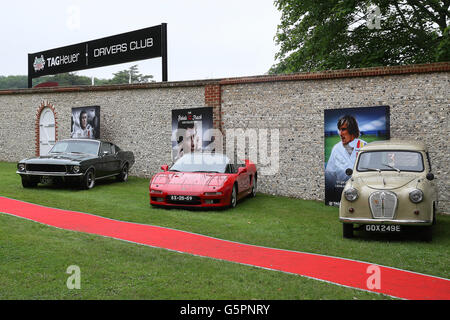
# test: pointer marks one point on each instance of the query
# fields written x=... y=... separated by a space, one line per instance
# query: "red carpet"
x=393 y=282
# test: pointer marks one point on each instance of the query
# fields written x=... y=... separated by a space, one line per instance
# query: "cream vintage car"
x=391 y=187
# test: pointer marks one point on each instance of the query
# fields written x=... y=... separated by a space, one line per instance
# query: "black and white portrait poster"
x=191 y=131
x=85 y=122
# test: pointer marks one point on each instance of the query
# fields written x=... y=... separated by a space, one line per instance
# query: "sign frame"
x=131 y=46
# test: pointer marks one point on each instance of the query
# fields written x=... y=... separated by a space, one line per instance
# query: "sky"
x=207 y=39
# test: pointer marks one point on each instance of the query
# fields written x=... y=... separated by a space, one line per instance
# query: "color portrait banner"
x=346 y=132
x=85 y=123
x=192 y=131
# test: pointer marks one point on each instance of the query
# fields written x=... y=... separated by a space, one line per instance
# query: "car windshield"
x=390 y=160
x=76 y=146
x=199 y=162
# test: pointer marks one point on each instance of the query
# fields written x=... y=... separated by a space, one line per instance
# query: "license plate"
x=181 y=198
x=382 y=228
x=46 y=180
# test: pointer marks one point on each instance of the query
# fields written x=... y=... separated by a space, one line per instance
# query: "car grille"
x=46 y=168
x=383 y=204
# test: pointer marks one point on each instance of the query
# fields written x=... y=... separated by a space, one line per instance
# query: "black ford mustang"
x=77 y=160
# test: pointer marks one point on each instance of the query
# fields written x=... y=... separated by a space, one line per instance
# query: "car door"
x=243 y=179
x=116 y=166
x=108 y=160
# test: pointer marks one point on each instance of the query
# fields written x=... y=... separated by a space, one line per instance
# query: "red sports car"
x=203 y=180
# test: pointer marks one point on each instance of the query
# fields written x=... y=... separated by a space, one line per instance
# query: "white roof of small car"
x=395 y=145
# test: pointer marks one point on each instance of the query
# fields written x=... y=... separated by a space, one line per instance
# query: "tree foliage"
x=340 y=34
x=131 y=75
x=73 y=79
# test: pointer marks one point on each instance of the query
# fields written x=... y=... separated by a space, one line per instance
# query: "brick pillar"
x=213 y=98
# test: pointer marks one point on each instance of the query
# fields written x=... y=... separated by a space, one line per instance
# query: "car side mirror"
x=349 y=172
x=242 y=170
x=165 y=167
x=430 y=176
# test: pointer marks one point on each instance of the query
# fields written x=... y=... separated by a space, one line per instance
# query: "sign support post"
x=164 y=51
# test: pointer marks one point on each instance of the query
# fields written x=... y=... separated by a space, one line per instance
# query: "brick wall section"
x=138 y=117
x=213 y=98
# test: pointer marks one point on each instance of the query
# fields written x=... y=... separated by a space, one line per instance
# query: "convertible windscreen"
x=76 y=146
x=390 y=160
x=193 y=162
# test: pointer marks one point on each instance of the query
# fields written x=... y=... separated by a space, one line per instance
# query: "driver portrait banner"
x=346 y=131
x=85 y=123
x=191 y=131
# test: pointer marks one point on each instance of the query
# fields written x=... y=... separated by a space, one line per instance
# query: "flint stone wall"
x=135 y=119
x=138 y=117
x=419 y=110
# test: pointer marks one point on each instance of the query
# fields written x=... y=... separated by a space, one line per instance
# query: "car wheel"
x=347 y=230
x=254 y=186
x=29 y=183
x=89 y=180
x=123 y=176
x=233 y=198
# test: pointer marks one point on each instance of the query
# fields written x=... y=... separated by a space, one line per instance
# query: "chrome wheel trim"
x=233 y=197
x=125 y=173
x=90 y=180
x=254 y=187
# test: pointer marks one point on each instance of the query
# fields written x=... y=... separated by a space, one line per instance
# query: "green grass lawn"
x=34 y=257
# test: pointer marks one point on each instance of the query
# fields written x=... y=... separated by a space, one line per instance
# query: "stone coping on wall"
x=345 y=73
x=84 y=88
x=329 y=74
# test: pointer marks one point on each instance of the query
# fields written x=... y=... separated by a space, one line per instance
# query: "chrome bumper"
x=49 y=174
x=386 y=221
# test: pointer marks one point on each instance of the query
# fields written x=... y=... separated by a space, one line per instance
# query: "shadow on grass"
x=60 y=185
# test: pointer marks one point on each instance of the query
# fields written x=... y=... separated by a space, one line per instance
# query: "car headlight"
x=416 y=196
x=21 y=167
x=76 y=169
x=351 y=194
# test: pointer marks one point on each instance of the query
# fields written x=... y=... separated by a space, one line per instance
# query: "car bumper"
x=386 y=221
x=202 y=201
x=49 y=174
